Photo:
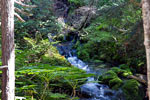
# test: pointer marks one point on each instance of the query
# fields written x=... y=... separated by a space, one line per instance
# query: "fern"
x=43 y=79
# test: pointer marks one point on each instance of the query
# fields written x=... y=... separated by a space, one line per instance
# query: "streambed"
x=91 y=90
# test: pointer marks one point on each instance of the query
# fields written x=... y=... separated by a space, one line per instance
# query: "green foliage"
x=108 y=37
x=39 y=74
x=53 y=57
x=131 y=89
x=115 y=83
x=122 y=72
x=32 y=53
x=43 y=80
x=117 y=70
x=106 y=77
x=124 y=66
x=114 y=77
x=77 y=2
x=39 y=52
x=103 y=44
x=37 y=26
x=57 y=96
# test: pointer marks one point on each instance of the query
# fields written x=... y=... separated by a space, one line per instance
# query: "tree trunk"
x=146 y=19
x=8 y=54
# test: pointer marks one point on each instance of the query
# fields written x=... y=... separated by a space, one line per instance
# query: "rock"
x=131 y=89
x=60 y=8
x=119 y=95
x=89 y=89
x=106 y=77
x=108 y=92
x=95 y=90
x=81 y=14
x=122 y=72
x=115 y=83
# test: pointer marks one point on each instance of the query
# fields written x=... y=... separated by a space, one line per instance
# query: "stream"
x=90 y=90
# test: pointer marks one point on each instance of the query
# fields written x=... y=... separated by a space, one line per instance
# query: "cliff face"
x=78 y=18
x=61 y=8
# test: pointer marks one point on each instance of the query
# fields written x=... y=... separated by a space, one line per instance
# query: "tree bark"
x=8 y=48
x=146 y=20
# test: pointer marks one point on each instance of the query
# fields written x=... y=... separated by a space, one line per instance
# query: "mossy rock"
x=53 y=57
x=115 y=83
x=124 y=72
x=106 y=77
x=131 y=89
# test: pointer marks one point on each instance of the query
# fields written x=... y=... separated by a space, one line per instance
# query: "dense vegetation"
x=112 y=35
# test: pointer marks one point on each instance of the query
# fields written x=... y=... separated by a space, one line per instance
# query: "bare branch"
x=2 y=67
x=24 y=5
x=22 y=12
x=19 y=17
x=138 y=79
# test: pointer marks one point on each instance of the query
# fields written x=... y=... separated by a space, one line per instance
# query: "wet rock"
x=131 y=89
x=90 y=89
x=108 y=92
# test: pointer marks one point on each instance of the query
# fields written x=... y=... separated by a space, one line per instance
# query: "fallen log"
x=138 y=78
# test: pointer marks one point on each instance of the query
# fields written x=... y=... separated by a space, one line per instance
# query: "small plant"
x=43 y=80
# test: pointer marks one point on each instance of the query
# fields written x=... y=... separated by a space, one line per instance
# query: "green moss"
x=115 y=83
x=124 y=71
x=84 y=54
x=106 y=77
x=131 y=90
x=113 y=77
x=53 y=57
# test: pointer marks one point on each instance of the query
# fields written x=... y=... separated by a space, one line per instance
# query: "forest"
x=78 y=50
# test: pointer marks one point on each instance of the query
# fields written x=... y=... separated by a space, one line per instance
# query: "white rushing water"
x=95 y=91
x=91 y=90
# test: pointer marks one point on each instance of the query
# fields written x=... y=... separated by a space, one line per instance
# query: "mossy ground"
x=116 y=78
x=132 y=91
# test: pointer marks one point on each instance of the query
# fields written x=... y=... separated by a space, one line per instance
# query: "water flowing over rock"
x=79 y=19
x=90 y=90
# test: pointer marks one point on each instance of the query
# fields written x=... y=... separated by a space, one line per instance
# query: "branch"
x=136 y=3
x=24 y=5
x=120 y=30
x=19 y=17
x=138 y=79
x=2 y=67
x=22 y=11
